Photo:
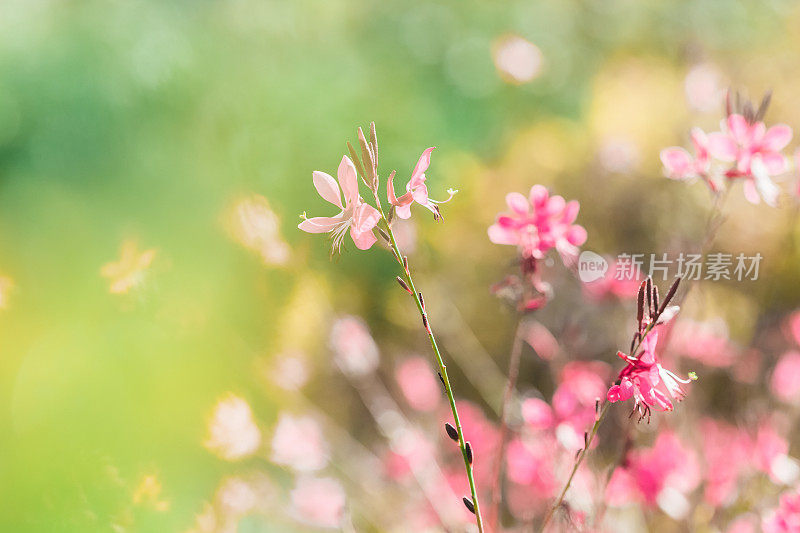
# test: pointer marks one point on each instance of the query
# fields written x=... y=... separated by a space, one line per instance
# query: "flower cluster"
x=644 y=378
x=539 y=223
x=744 y=148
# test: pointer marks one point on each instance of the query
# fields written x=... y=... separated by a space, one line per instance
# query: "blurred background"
x=171 y=345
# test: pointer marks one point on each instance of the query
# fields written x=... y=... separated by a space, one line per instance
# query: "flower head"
x=649 y=383
x=680 y=165
x=756 y=152
x=355 y=215
x=416 y=190
x=539 y=223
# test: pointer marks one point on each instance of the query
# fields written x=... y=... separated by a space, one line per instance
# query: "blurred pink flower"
x=411 y=450
x=318 y=502
x=539 y=223
x=233 y=433
x=574 y=401
x=298 y=443
x=680 y=165
x=655 y=475
x=537 y=414
x=703 y=87
x=416 y=190
x=756 y=151
x=418 y=383
x=706 y=342
x=614 y=285
x=540 y=339
x=786 y=518
x=726 y=449
x=359 y=217
x=743 y=524
x=355 y=351
x=785 y=383
x=649 y=383
x=253 y=224
x=769 y=454
x=531 y=463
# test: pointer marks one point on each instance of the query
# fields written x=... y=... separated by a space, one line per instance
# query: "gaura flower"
x=680 y=165
x=355 y=215
x=416 y=190
x=539 y=223
x=649 y=383
x=756 y=151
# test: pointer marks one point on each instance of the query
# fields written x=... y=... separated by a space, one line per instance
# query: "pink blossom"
x=537 y=414
x=680 y=165
x=531 y=463
x=614 y=285
x=538 y=224
x=298 y=443
x=785 y=381
x=649 y=383
x=411 y=451
x=318 y=502
x=359 y=217
x=574 y=401
x=416 y=190
x=418 y=383
x=769 y=451
x=786 y=518
x=355 y=351
x=706 y=342
x=756 y=152
x=652 y=475
x=726 y=449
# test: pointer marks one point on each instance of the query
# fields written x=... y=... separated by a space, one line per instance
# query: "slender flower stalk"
x=650 y=315
x=361 y=219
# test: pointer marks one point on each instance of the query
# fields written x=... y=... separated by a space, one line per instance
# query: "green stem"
x=442 y=368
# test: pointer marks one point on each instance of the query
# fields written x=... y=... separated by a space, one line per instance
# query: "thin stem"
x=590 y=438
x=578 y=462
x=513 y=372
x=442 y=368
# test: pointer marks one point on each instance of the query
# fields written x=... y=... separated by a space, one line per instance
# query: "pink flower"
x=786 y=518
x=727 y=453
x=359 y=217
x=416 y=190
x=298 y=443
x=756 y=151
x=574 y=401
x=658 y=475
x=318 y=502
x=354 y=349
x=539 y=223
x=785 y=382
x=649 y=383
x=232 y=430
x=418 y=383
x=679 y=164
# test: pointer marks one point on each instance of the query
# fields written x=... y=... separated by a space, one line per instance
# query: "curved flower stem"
x=513 y=372
x=442 y=367
x=577 y=464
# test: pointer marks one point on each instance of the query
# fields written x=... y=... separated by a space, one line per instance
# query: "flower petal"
x=776 y=138
x=348 y=180
x=403 y=211
x=739 y=129
x=364 y=239
x=576 y=235
x=418 y=175
x=538 y=196
x=320 y=224
x=722 y=146
x=517 y=203
x=677 y=162
x=499 y=234
x=365 y=218
x=327 y=188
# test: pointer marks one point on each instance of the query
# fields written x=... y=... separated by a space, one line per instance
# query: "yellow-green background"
x=144 y=119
